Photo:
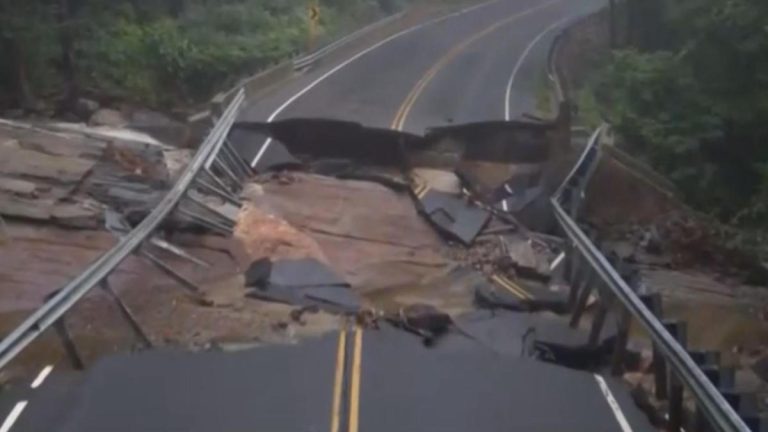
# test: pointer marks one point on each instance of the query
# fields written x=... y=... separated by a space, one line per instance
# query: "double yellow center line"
x=402 y=113
x=512 y=287
x=352 y=405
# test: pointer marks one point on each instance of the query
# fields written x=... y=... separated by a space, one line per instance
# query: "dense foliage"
x=687 y=91
x=159 y=52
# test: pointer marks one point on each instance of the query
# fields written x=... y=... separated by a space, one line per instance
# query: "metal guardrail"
x=308 y=60
x=214 y=154
x=719 y=413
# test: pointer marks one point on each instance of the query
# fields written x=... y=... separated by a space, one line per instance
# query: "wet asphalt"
x=455 y=70
x=357 y=380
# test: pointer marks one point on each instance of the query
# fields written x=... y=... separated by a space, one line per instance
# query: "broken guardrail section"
x=216 y=170
x=675 y=369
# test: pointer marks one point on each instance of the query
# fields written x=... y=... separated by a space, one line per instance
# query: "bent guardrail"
x=215 y=155
x=588 y=270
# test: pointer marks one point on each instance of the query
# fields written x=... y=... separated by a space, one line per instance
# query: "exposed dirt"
x=37 y=260
x=371 y=235
x=619 y=196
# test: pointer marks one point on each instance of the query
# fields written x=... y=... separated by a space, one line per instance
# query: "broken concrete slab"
x=304 y=272
x=63 y=169
x=301 y=282
x=453 y=215
x=68 y=177
x=17 y=186
x=21 y=207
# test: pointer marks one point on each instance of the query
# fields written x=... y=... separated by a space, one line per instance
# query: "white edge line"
x=323 y=77
x=557 y=261
x=41 y=376
x=13 y=416
x=617 y=412
x=520 y=61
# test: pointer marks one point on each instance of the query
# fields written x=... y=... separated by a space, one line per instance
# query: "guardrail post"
x=620 y=346
x=584 y=291
x=678 y=330
x=569 y=264
x=659 y=365
x=69 y=345
x=62 y=331
x=597 y=324
x=747 y=405
x=241 y=165
x=165 y=268
x=126 y=313
x=215 y=190
x=681 y=372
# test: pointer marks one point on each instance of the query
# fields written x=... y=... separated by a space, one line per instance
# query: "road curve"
x=453 y=69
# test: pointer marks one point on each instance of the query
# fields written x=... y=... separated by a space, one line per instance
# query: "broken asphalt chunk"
x=258 y=273
x=302 y=282
x=273 y=156
x=263 y=154
x=326 y=138
x=453 y=215
x=304 y=272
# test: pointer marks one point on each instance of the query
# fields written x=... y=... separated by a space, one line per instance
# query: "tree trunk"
x=632 y=22
x=18 y=71
x=176 y=8
x=66 y=19
x=612 y=23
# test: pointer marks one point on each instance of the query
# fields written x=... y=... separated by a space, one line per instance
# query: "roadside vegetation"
x=160 y=53
x=685 y=87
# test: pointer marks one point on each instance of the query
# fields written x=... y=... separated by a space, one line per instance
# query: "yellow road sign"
x=314 y=12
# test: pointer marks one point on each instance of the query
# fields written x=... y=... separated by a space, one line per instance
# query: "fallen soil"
x=370 y=234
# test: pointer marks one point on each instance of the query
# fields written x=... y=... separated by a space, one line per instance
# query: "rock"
x=84 y=108
x=108 y=117
x=161 y=127
x=17 y=186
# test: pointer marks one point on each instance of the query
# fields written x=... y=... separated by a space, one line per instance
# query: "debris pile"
x=679 y=241
x=394 y=216
x=336 y=220
x=68 y=176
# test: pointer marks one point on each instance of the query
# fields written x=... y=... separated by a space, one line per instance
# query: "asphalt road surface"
x=483 y=63
x=354 y=380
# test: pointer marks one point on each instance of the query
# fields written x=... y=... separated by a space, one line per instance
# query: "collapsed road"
x=414 y=273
